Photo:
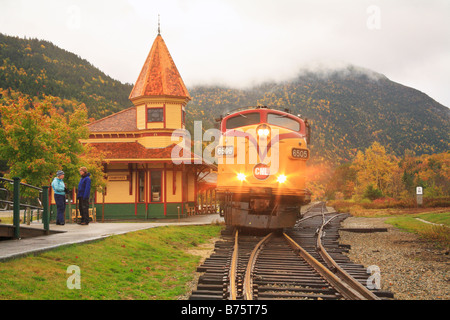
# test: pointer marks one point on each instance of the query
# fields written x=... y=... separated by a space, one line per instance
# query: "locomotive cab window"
x=242 y=120
x=283 y=121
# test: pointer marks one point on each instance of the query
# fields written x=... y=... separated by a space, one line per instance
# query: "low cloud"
x=240 y=43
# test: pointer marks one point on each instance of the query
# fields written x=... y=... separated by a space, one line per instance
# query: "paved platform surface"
x=75 y=233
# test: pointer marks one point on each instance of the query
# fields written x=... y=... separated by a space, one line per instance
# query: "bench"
x=92 y=214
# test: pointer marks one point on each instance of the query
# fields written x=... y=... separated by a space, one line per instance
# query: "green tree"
x=37 y=141
x=372 y=193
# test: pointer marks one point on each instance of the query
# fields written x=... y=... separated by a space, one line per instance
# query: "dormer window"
x=155 y=115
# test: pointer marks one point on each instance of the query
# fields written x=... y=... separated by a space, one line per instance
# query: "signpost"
x=419 y=196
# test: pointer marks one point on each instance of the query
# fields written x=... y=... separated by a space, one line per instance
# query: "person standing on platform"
x=59 y=188
x=84 y=191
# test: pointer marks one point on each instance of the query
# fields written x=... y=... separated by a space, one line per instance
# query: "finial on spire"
x=159 y=26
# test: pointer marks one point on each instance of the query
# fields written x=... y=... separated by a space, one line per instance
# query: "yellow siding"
x=118 y=191
x=173 y=116
x=169 y=190
x=155 y=104
x=155 y=125
x=155 y=141
x=140 y=117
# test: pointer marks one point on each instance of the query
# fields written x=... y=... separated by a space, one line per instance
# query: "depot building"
x=142 y=180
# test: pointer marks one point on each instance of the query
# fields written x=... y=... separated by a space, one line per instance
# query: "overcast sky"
x=244 y=42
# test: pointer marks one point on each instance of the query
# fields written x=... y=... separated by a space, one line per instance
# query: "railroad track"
x=305 y=262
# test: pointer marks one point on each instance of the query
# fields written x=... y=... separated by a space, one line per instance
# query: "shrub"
x=372 y=193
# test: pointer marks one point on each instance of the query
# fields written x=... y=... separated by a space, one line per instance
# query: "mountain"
x=36 y=67
x=348 y=109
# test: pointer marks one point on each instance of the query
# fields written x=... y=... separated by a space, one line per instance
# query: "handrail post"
x=45 y=211
x=16 y=207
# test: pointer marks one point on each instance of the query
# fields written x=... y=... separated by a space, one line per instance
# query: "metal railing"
x=16 y=204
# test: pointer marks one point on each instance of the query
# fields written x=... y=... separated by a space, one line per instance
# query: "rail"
x=294 y=265
x=16 y=204
x=346 y=291
x=362 y=293
x=248 y=282
x=347 y=286
x=234 y=265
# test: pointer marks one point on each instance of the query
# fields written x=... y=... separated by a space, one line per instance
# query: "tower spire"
x=159 y=75
x=159 y=26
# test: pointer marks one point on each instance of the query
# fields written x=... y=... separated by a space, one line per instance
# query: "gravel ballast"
x=410 y=267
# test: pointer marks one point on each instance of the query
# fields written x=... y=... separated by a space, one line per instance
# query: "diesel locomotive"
x=262 y=154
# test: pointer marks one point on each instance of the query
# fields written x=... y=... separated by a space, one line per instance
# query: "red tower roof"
x=159 y=75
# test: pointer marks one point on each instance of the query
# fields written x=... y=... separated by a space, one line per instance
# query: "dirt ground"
x=410 y=267
x=203 y=251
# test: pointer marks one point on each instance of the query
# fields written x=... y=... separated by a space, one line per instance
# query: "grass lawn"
x=406 y=219
x=410 y=222
x=440 y=235
x=147 y=264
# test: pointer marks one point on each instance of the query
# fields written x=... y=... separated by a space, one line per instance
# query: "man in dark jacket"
x=84 y=191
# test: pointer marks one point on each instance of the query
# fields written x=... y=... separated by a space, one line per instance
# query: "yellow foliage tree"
x=375 y=167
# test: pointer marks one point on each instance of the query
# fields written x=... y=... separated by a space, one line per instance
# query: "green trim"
x=126 y=211
x=172 y=210
x=120 y=211
x=155 y=211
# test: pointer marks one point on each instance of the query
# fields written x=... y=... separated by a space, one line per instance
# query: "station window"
x=156 y=186
x=141 y=186
x=155 y=114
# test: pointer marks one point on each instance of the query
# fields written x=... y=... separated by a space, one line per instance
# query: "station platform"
x=72 y=233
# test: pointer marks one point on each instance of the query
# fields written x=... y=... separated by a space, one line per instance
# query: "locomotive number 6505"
x=300 y=153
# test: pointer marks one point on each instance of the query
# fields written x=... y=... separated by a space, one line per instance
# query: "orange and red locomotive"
x=262 y=156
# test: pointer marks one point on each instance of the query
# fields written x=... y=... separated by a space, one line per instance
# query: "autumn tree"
x=432 y=172
x=342 y=182
x=36 y=140
x=374 y=168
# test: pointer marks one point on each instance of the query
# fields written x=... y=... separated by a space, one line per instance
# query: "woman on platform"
x=59 y=188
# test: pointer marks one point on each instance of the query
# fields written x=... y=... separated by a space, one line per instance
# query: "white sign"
x=419 y=190
x=118 y=178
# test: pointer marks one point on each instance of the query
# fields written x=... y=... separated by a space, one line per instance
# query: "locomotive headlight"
x=281 y=178
x=263 y=130
x=241 y=176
